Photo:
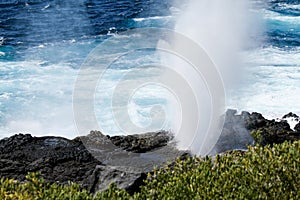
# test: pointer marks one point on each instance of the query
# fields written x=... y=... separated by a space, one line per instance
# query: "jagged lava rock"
x=93 y=161
x=57 y=158
x=237 y=130
x=142 y=143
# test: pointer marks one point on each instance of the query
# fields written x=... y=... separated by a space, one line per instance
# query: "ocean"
x=43 y=45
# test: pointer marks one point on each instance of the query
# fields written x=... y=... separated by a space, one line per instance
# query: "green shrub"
x=259 y=173
x=113 y=193
x=257 y=135
x=36 y=188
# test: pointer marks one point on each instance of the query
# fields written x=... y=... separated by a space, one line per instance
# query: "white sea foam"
x=273 y=56
x=1 y=40
x=268 y=14
x=289 y=6
x=152 y=18
x=36 y=99
x=271 y=83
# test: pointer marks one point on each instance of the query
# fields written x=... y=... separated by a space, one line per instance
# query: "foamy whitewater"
x=43 y=44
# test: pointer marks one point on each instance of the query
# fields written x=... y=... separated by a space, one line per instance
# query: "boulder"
x=124 y=177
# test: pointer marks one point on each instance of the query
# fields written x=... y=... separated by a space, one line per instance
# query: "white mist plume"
x=222 y=28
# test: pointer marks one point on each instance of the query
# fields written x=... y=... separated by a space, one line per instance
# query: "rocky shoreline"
x=124 y=160
x=96 y=160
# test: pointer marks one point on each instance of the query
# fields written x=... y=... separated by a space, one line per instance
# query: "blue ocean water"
x=44 y=43
x=42 y=47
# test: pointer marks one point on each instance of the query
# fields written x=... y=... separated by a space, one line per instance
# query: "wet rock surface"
x=94 y=161
x=242 y=130
x=234 y=135
x=58 y=159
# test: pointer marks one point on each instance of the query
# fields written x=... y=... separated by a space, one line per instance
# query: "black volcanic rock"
x=124 y=177
x=142 y=143
x=269 y=132
x=58 y=159
x=93 y=161
x=275 y=132
x=291 y=115
x=237 y=130
x=297 y=127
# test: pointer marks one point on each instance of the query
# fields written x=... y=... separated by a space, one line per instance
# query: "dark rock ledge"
x=124 y=160
x=96 y=160
x=246 y=129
